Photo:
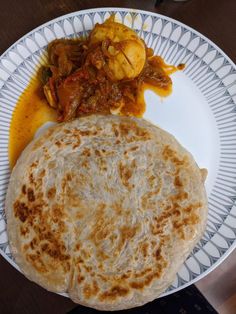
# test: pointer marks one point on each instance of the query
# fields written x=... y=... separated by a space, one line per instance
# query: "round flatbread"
x=105 y=208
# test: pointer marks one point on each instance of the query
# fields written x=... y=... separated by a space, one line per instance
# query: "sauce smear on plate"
x=31 y=112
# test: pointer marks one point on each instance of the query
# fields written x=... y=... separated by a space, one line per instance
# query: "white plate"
x=200 y=112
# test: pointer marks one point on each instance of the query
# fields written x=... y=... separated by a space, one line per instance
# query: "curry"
x=106 y=73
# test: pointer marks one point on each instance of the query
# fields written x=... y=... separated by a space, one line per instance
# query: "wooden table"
x=216 y=19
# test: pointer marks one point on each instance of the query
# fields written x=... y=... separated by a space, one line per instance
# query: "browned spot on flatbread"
x=58 y=215
x=117 y=208
x=23 y=190
x=101 y=255
x=176 y=212
x=126 y=234
x=30 y=195
x=115 y=130
x=125 y=128
x=78 y=246
x=86 y=152
x=158 y=253
x=36 y=262
x=66 y=131
x=55 y=250
x=112 y=238
x=24 y=230
x=125 y=276
x=192 y=207
x=144 y=249
x=142 y=273
x=179 y=222
x=88 y=132
x=85 y=254
x=42 y=173
x=102 y=226
x=142 y=134
x=148 y=201
x=34 y=164
x=77 y=142
x=133 y=132
x=79 y=260
x=69 y=176
x=103 y=233
x=103 y=167
x=134 y=148
x=31 y=178
x=140 y=285
x=64 y=183
x=126 y=171
x=21 y=211
x=180 y=196
x=51 y=193
x=192 y=219
x=97 y=153
x=151 y=180
x=32 y=245
x=170 y=154
x=131 y=149
x=80 y=279
x=91 y=290
x=58 y=143
x=102 y=277
x=177 y=182
x=85 y=164
x=114 y=293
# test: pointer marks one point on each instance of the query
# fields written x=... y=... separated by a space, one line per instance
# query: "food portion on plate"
x=104 y=73
x=105 y=208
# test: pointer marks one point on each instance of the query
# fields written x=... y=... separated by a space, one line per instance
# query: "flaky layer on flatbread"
x=105 y=208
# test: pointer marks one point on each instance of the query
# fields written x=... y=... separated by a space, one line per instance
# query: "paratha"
x=105 y=208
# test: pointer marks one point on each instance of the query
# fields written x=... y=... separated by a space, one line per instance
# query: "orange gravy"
x=139 y=108
x=31 y=112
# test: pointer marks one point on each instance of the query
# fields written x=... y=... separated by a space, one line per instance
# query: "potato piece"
x=127 y=53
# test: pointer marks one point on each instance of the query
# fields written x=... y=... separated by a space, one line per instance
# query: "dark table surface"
x=216 y=19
